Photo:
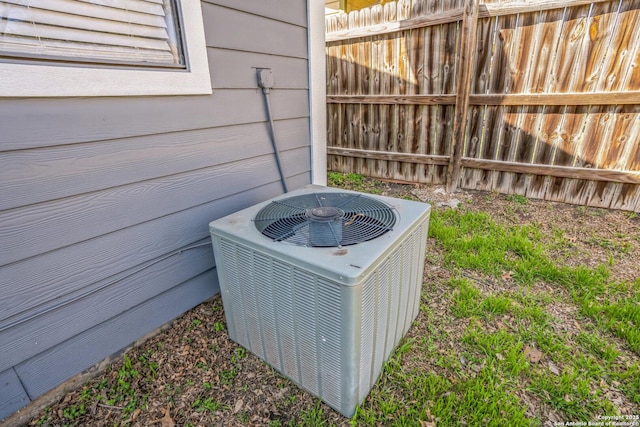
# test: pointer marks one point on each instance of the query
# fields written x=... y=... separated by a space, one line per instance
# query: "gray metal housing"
x=326 y=318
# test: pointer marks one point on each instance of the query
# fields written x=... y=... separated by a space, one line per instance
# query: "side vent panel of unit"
x=284 y=319
x=390 y=305
x=381 y=317
x=233 y=298
x=368 y=333
x=295 y=327
x=329 y=340
x=266 y=308
x=306 y=314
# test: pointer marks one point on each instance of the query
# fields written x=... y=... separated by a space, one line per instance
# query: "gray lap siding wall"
x=105 y=202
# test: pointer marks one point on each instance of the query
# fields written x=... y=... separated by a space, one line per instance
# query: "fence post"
x=463 y=88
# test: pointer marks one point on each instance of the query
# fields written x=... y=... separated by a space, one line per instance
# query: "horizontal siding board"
x=36 y=229
x=259 y=34
x=73 y=314
x=12 y=394
x=299 y=180
x=48 y=369
x=35 y=283
x=294 y=12
x=30 y=123
x=289 y=73
x=34 y=176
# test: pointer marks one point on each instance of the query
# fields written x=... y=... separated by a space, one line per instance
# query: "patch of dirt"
x=193 y=374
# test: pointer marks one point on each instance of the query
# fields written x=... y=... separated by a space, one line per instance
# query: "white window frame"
x=78 y=80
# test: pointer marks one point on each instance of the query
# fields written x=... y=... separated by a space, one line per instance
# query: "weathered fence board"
x=542 y=99
x=463 y=84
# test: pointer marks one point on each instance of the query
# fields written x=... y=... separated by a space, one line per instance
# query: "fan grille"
x=325 y=219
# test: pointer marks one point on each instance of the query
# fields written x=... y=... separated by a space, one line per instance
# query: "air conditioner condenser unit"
x=322 y=284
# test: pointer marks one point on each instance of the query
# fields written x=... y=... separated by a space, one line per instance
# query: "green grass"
x=124 y=394
x=313 y=417
x=407 y=397
x=337 y=179
x=353 y=181
x=472 y=240
x=208 y=404
x=483 y=376
x=517 y=198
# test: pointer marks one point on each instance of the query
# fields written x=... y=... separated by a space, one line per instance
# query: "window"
x=102 y=48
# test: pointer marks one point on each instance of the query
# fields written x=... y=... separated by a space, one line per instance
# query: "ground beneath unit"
x=191 y=374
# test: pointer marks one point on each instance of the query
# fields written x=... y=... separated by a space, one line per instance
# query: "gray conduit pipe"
x=266 y=82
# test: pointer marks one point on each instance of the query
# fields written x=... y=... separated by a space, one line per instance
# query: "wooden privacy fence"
x=537 y=98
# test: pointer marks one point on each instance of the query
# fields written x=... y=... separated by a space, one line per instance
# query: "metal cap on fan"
x=325 y=219
x=325 y=225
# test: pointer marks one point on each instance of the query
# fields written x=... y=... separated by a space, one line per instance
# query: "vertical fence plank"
x=627 y=195
x=333 y=110
x=463 y=83
x=421 y=111
x=373 y=142
x=354 y=87
x=613 y=75
x=554 y=137
x=500 y=81
x=450 y=45
x=436 y=64
x=351 y=112
x=479 y=114
x=627 y=150
x=407 y=81
x=597 y=43
x=388 y=122
x=594 y=49
x=520 y=139
x=364 y=88
x=548 y=37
